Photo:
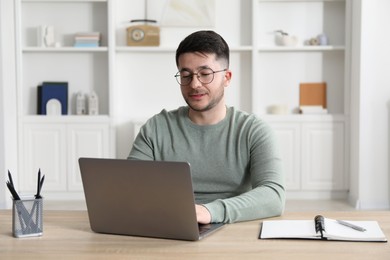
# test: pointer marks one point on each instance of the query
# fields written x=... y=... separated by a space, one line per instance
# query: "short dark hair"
x=205 y=42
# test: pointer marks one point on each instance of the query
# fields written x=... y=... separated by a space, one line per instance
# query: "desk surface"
x=67 y=235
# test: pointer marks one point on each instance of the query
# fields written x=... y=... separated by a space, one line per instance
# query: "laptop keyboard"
x=203 y=228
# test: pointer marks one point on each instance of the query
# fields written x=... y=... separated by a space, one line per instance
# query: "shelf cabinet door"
x=44 y=148
x=55 y=149
x=89 y=140
x=323 y=156
x=288 y=139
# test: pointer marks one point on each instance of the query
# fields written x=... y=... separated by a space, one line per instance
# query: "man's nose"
x=195 y=82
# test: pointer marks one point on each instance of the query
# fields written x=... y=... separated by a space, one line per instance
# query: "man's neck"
x=209 y=117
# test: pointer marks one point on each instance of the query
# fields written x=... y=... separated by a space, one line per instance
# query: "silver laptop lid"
x=140 y=198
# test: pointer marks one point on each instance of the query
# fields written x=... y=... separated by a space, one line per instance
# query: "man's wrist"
x=217 y=211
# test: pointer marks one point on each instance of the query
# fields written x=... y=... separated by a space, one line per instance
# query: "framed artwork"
x=182 y=13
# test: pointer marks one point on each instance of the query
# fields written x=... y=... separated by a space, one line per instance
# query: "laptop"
x=141 y=198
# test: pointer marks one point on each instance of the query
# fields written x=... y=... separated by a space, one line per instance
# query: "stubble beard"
x=213 y=103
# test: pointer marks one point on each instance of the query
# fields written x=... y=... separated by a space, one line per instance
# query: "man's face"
x=200 y=96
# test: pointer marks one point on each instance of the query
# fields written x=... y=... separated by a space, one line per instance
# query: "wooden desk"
x=67 y=235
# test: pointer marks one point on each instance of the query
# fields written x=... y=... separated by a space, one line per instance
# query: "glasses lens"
x=206 y=75
x=184 y=78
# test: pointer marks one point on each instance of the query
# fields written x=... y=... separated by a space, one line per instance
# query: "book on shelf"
x=87 y=39
x=322 y=228
x=86 y=45
x=312 y=94
x=53 y=98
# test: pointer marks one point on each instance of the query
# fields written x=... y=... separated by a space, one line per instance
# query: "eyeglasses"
x=205 y=76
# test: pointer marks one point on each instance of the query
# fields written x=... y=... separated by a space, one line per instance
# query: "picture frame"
x=182 y=13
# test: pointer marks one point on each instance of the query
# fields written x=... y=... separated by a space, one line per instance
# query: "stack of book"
x=87 y=39
x=312 y=98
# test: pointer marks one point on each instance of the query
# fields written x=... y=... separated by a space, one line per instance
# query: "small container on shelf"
x=284 y=39
x=93 y=104
x=87 y=39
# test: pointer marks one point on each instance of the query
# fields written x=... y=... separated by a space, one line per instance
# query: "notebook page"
x=337 y=231
x=289 y=229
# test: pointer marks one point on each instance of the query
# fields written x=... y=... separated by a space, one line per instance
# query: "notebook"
x=141 y=198
x=323 y=228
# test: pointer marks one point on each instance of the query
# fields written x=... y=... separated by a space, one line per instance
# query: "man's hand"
x=202 y=214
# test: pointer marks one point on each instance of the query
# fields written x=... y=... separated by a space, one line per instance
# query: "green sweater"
x=236 y=171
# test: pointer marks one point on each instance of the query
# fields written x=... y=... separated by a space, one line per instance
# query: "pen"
x=38 y=184
x=10 y=178
x=347 y=224
x=13 y=191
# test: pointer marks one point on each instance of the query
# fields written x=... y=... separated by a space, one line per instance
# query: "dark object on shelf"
x=53 y=98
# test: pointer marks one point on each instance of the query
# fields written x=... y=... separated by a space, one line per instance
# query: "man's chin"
x=198 y=107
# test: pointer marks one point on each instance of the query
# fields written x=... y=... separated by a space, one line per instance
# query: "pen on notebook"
x=347 y=224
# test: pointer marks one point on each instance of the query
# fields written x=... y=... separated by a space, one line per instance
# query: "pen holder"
x=27 y=217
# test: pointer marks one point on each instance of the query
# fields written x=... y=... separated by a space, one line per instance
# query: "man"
x=236 y=170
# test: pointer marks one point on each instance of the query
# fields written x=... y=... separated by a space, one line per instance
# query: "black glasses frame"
x=191 y=76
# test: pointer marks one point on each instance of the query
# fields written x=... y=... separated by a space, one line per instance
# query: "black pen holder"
x=27 y=217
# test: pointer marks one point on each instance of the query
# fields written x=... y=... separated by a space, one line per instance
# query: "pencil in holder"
x=27 y=217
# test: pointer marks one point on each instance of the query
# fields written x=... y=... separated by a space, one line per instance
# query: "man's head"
x=203 y=62
x=204 y=42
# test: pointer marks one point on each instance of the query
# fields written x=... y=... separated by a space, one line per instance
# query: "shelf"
x=303 y=118
x=295 y=1
x=241 y=48
x=145 y=49
x=162 y=49
x=300 y=48
x=65 y=49
x=66 y=119
x=62 y=1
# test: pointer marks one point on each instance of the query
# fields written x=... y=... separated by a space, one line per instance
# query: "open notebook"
x=323 y=228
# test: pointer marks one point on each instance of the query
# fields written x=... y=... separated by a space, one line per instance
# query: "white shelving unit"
x=281 y=69
x=54 y=143
x=134 y=83
x=64 y=49
x=314 y=147
x=37 y=64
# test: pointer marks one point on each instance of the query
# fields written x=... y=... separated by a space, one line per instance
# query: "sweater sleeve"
x=267 y=196
x=143 y=146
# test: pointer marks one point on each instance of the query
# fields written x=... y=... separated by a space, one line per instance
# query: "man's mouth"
x=197 y=95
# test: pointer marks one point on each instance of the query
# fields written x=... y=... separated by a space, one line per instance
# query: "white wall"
x=2 y=123
x=370 y=179
x=8 y=116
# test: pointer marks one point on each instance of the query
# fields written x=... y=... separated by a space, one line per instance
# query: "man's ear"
x=228 y=77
